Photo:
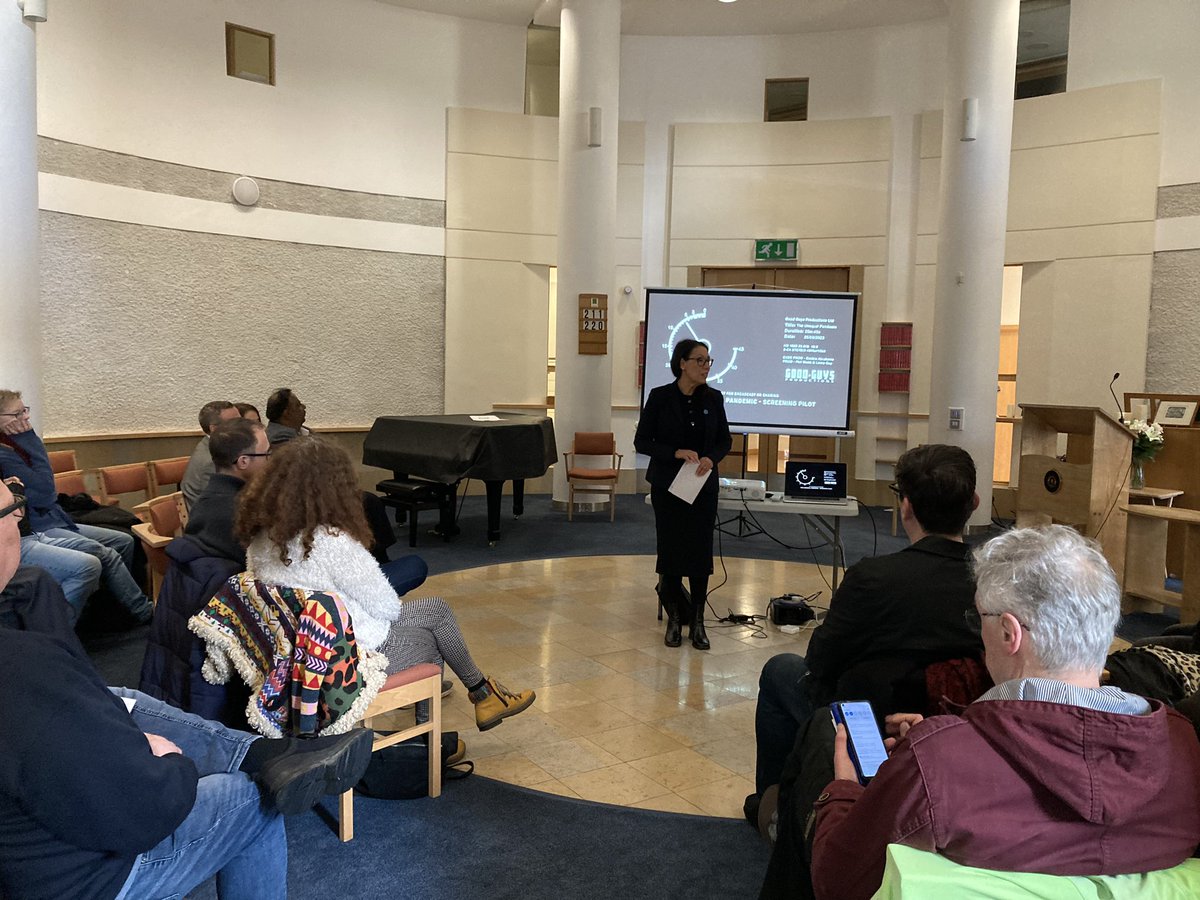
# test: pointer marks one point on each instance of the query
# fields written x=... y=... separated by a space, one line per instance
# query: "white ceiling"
x=707 y=17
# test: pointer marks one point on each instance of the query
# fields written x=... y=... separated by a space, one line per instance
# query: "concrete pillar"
x=21 y=360
x=590 y=56
x=980 y=68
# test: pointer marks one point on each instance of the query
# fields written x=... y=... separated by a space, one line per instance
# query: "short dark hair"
x=210 y=414
x=681 y=352
x=244 y=408
x=230 y=439
x=939 y=482
x=277 y=403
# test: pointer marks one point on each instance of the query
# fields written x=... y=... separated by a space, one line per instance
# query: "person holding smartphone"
x=683 y=423
x=1049 y=771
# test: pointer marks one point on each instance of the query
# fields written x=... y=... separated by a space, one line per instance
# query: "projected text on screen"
x=782 y=359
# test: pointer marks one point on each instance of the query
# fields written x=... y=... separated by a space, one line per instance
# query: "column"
x=980 y=65
x=589 y=73
x=21 y=362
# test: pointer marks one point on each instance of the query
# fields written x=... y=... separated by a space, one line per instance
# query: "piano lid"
x=449 y=448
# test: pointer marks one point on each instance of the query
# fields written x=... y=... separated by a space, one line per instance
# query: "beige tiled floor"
x=619 y=718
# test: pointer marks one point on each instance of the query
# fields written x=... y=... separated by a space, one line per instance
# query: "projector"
x=743 y=489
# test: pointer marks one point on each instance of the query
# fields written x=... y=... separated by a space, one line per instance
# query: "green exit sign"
x=768 y=250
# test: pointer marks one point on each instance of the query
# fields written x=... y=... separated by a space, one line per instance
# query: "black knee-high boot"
x=699 y=584
x=670 y=593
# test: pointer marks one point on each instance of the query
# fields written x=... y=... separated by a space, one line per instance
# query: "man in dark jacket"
x=201 y=561
x=890 y=618
x=109 y=792
x=239 y=449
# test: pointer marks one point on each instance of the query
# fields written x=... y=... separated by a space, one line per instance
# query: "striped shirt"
x=1046 y=690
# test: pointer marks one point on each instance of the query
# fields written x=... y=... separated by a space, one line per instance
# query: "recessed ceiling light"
x=729 y=1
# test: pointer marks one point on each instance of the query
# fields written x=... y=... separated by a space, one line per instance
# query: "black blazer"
x=662 y=430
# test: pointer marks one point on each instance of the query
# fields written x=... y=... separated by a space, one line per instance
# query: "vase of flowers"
x=1147 y=441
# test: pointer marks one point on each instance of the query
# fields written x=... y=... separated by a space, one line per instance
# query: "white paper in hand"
x=687 y=483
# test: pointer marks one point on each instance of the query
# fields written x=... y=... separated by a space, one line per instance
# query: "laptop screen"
x=815 y=481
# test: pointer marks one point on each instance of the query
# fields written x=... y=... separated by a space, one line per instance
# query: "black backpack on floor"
x=401 y=771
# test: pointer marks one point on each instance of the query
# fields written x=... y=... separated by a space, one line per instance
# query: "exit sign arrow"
x=775 y=250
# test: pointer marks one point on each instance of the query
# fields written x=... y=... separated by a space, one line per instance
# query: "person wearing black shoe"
x=683 y=423
x=110 y=793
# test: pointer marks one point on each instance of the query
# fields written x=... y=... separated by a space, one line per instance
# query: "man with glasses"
x=1046 y=772
x=201 y=561
x=110 y=793
x=239 y=449
x=200 y=466
x=77 y=556
x=891 y=616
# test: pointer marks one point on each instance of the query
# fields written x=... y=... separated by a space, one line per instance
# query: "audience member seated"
x=891 y=616
x=285 y=417
x=200 y=467
x=77 y=556
x=201 y=561
x=239 y=449
x=1048 y=771
x=100 y=801
x=303 y=526
x=248 y=411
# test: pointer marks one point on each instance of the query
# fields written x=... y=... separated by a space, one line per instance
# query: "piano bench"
x=411 y=495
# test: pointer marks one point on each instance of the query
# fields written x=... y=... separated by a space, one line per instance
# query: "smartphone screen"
x=866 y=746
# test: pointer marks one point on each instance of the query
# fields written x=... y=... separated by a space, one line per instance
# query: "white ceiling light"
x=729 y=1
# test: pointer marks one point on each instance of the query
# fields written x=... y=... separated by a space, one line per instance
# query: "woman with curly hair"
x=303 y=526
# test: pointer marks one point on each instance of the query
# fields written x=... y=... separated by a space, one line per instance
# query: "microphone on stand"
x=1120 y=406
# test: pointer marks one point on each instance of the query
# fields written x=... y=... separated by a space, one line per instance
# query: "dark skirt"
x=684 y=531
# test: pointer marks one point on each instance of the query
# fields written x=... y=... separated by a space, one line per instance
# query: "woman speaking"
x=684 y=422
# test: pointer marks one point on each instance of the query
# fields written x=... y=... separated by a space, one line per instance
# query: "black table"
x=447 y=449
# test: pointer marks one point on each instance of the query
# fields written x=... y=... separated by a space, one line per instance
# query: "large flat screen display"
x=782 y=359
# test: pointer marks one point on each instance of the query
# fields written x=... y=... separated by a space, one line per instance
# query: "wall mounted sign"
x=770 y=250
x=593 y=324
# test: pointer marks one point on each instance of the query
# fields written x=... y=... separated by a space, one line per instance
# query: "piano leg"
x=494 y=490
x=518 y=497
x=447 y=527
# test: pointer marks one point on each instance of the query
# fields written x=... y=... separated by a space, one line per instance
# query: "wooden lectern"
x=1090 y=488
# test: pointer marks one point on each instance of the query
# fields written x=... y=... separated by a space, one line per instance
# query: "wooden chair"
x=159 y=526
x=62 y=461
x=129 y=478
x=411 y=685
x=166 y=471
x=76 y=482
x=593 y=481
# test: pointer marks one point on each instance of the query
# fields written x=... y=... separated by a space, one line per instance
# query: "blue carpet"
x=544 y=533
x=482 y=838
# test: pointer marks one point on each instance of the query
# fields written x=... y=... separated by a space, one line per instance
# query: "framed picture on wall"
x=1176 y=412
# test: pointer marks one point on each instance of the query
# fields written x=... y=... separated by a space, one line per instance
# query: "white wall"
x=1116 y=40
x=359 y=103
x=501 y=234
x=852 y=74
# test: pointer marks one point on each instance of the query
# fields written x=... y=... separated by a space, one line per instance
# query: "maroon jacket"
x=1020 y=786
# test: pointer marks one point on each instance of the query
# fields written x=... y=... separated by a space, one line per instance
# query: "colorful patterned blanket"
x=295 y=649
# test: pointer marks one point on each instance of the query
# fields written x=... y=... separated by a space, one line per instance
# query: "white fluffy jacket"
x=337 y=563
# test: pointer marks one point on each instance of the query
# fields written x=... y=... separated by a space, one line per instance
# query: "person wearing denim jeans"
x=56 y=543
x=109 y=793
x=79 y=559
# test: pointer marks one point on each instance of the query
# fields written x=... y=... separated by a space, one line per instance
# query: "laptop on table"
x=814 y=482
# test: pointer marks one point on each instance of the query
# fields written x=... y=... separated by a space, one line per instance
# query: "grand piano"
x=447 y=449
